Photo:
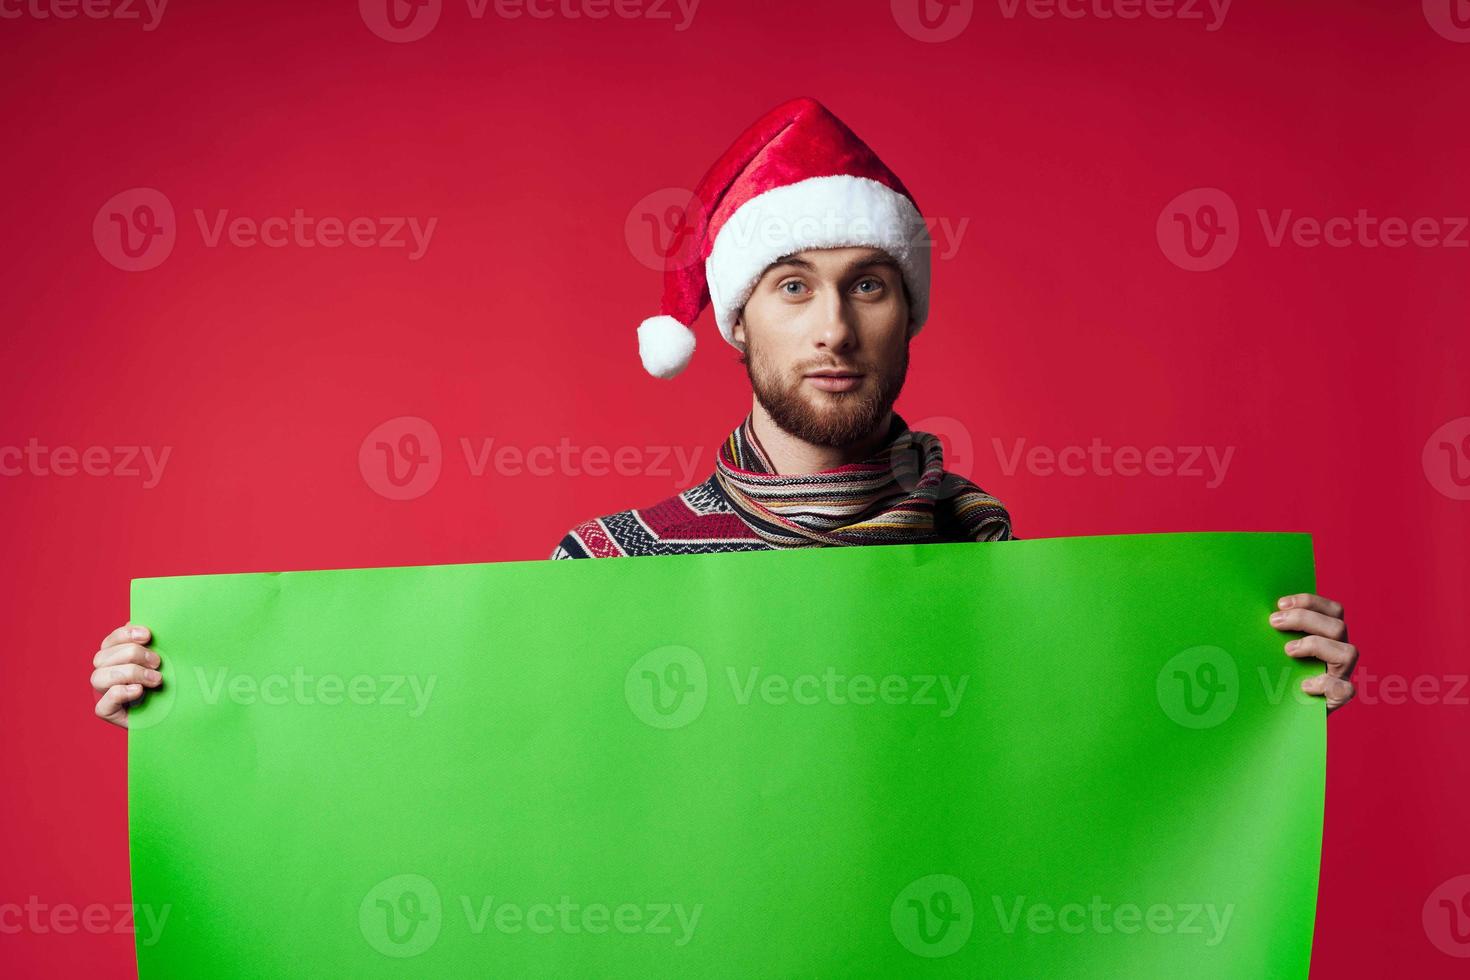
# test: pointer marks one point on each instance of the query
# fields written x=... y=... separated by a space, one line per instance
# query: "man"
x=815 y=260
x=822 y=458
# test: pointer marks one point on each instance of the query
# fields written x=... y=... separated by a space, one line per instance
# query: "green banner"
x=1072 y=757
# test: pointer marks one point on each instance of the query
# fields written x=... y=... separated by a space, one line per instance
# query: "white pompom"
x=665 y=345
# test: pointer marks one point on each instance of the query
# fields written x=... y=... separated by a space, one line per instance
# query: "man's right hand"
x=124 y=668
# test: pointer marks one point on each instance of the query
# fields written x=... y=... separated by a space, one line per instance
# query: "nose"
x=835 y=329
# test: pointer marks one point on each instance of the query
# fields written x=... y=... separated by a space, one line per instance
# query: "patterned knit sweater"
x=698 y=521
x=900 y=494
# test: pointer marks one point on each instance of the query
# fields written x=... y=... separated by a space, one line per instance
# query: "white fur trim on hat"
x=821 y=212
x=665 y=345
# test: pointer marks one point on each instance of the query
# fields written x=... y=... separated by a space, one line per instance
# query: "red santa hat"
x=796 y=179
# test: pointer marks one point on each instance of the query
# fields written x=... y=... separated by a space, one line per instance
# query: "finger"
x=1309 y=600
x=130 y=633
x=112 y=706
x=1308 y=621
x=1337 y=691
x=105 y=677
x=1340 y=658
x=126 y=653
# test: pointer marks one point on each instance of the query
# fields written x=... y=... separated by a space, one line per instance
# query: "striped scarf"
x=899 y=495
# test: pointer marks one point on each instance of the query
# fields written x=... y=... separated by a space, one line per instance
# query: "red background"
x=1058 y=319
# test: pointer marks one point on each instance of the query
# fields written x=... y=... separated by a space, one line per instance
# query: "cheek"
x=772 y=329
x=883 y=328
x=891 y=310
x=893 y=323
x=776 y=352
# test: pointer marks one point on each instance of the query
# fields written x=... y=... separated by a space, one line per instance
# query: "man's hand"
x=124 y=667
x=1326 y=640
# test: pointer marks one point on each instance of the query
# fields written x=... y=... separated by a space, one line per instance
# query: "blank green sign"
x=1076 y=757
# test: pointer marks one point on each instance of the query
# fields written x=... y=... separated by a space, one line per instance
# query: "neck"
x=795 y=457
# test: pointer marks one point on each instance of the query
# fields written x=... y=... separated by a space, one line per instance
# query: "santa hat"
x=796 y=179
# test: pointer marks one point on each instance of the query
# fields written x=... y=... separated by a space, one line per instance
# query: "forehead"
x=835 y=260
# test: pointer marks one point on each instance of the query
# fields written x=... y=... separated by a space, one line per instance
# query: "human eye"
x=782 y=288
x=869 y=286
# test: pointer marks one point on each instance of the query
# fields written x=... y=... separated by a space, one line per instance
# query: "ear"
x=738 y=329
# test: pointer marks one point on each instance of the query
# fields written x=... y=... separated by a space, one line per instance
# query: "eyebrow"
x=877 y=260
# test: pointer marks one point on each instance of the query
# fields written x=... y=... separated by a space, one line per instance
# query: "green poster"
x=1073 y=757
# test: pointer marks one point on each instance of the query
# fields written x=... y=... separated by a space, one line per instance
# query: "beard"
x=835 y=419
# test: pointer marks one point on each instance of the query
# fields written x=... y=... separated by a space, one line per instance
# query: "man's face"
x=827 y=310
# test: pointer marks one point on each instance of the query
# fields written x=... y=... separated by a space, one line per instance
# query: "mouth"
x=834 y=380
